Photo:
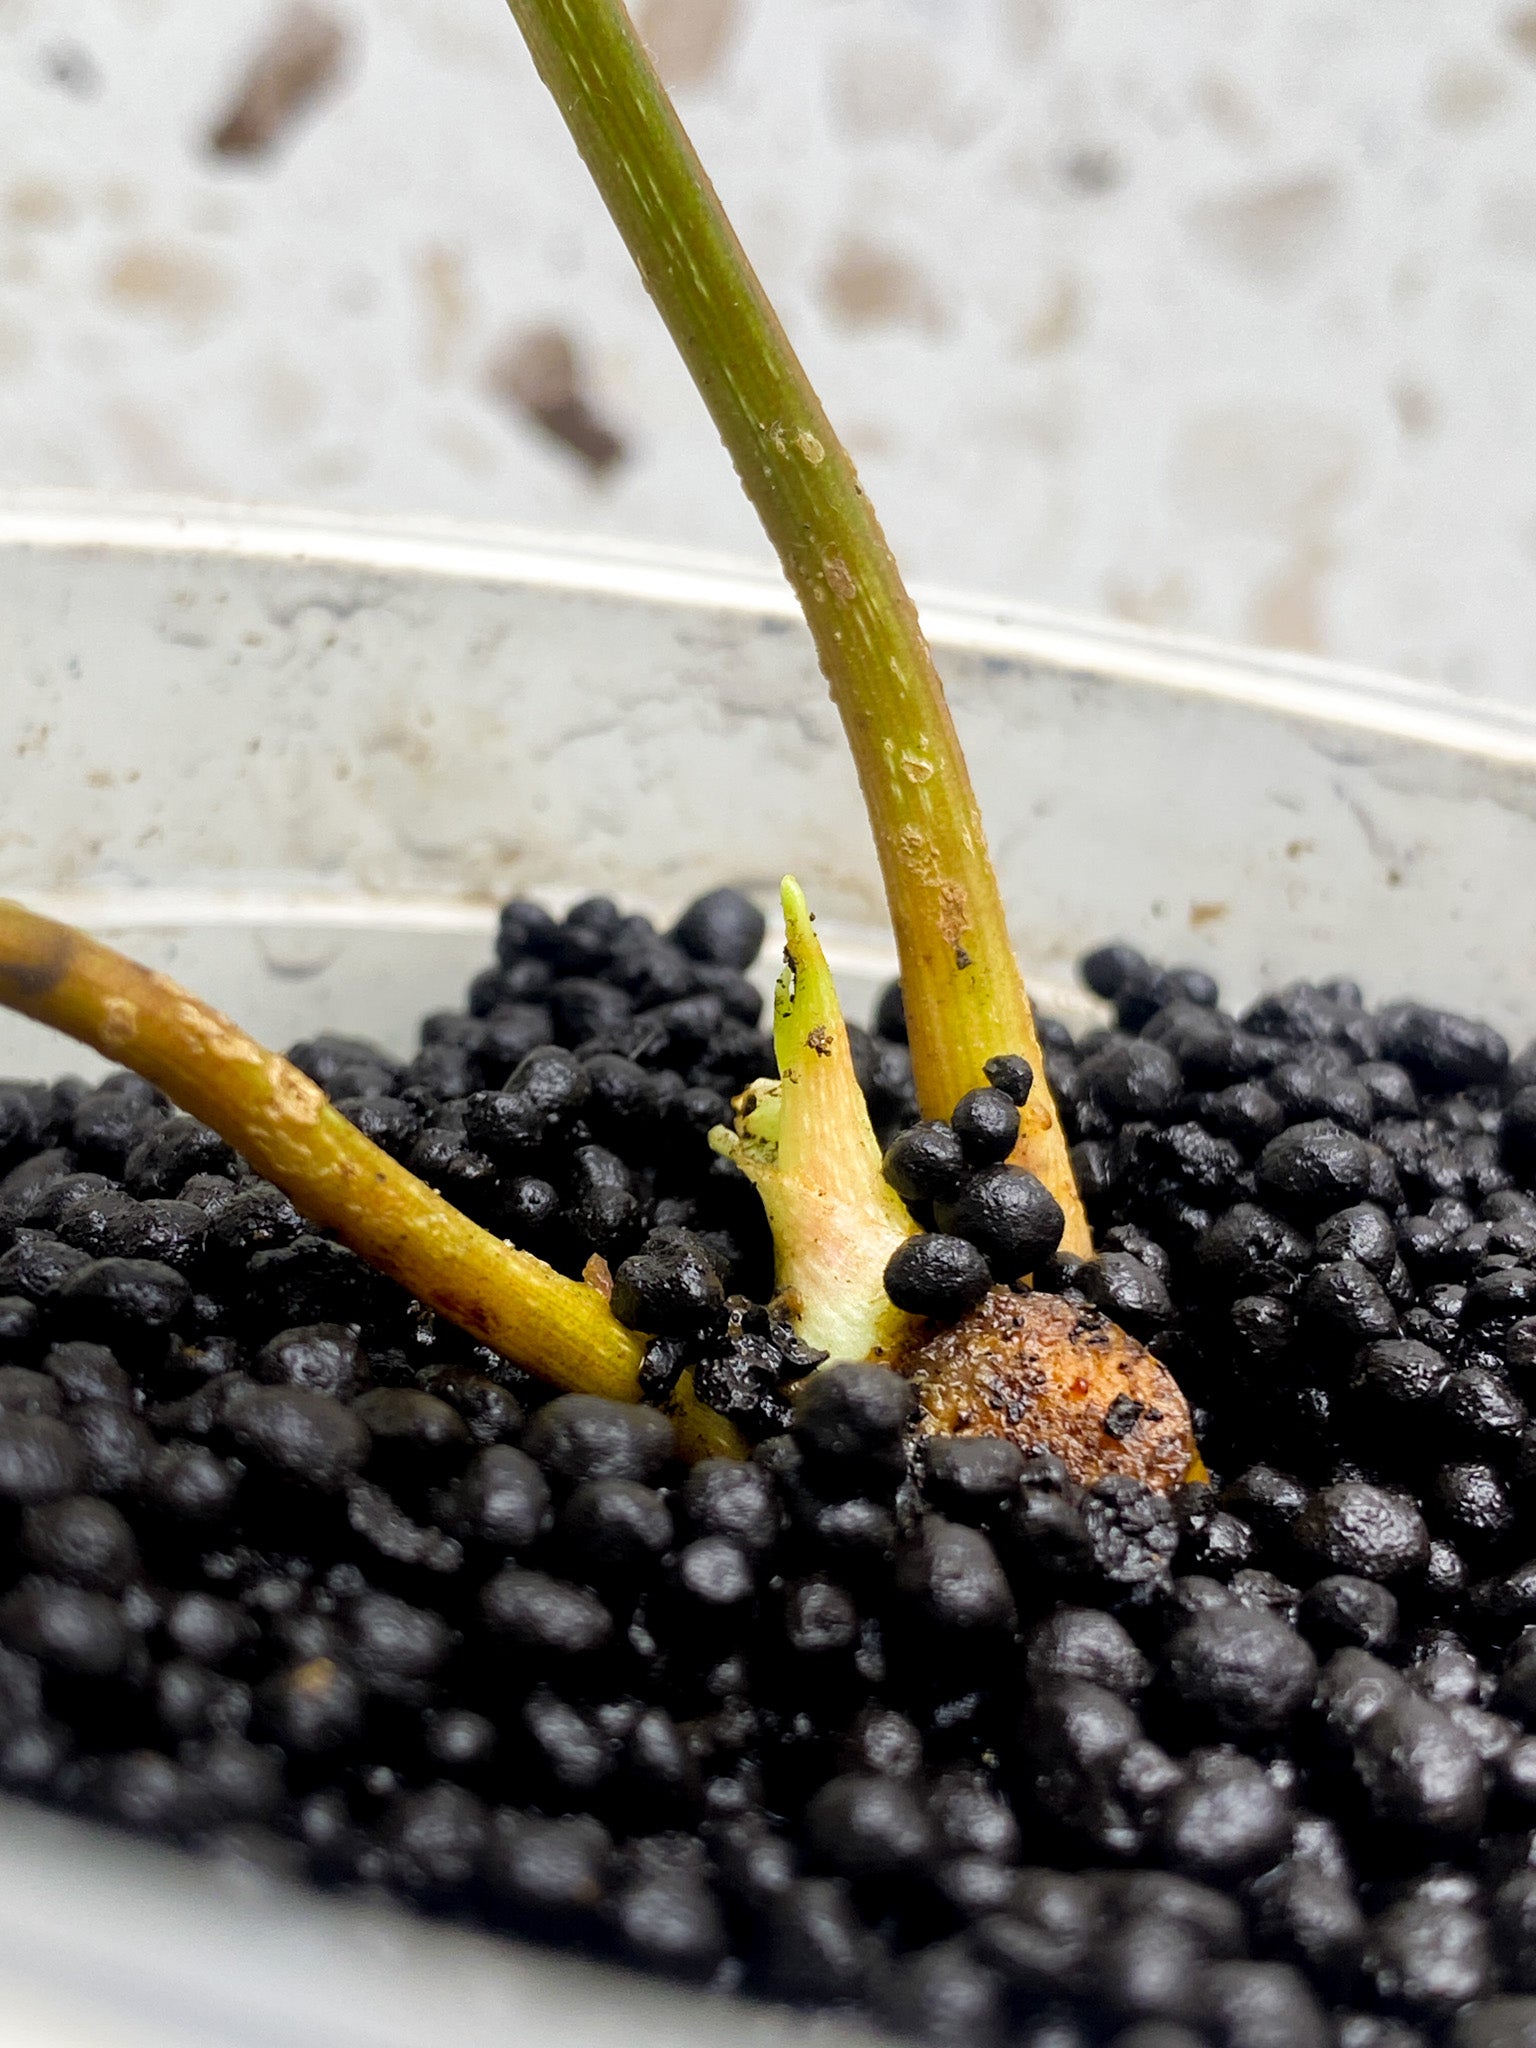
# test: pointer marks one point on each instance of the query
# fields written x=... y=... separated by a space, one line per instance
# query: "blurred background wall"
x=1217 y=314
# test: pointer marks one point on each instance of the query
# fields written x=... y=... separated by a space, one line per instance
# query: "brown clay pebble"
x=1052 y=1374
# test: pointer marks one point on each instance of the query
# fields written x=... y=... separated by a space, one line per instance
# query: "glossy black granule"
x=937 y=1276
x=296 y=1574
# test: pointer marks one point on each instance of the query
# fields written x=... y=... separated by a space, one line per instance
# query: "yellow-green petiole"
x=277 y=1119
x=964 y=994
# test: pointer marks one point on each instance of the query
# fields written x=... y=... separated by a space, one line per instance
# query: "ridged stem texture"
x=281 y=1123
x=964 y=995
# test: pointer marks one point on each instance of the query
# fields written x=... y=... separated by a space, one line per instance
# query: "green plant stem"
x=964 y=995
x=806 y=1143
x=277 y=1119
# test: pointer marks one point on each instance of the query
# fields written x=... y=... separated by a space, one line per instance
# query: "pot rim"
x=1290 y=684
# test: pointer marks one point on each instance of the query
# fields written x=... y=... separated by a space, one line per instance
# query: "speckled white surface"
x=1212 y=315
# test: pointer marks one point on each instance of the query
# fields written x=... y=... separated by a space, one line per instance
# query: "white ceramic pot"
x=298 y=760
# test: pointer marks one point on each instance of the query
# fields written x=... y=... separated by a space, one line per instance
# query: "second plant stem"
x=281 y=1123
x=964 y=994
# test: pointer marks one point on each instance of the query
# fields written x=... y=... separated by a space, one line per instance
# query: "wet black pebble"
x=580 y=1436
x=1133 y=1079
x=1363 y=1530
x=868 y=1827
x=1427 y=1956
x=941 y=1277
x=1129 y=1291
x=1314 y=1168
x=1308 y=1916
x=943 y=1995
x=502 y=1499
x=925 y=1163
x=813 y=1948
x=555 y=1872
x=1342 y=1612
x=325 y=1357
x=723 y=927
x=614 y=1526
x=113 y=1447
x=188 y=1483
x=954 y=1579
x=986 y=1121
x=1244 y=1668
x=724 y=1498
x=86 y=1542
x=409 y=1435
x=87 y=1372
x=852 y=1412
x=304 y=1436
x=538 y=1613
x=1227 y=1819
x=66 y=1627
x=124 y=1300
x=1261 y=2005
x=311 y=1708
x=39 y=1457
x=969 y=1478
x=1009 y=1215
x=670 y=1289
x=1084 y=1642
